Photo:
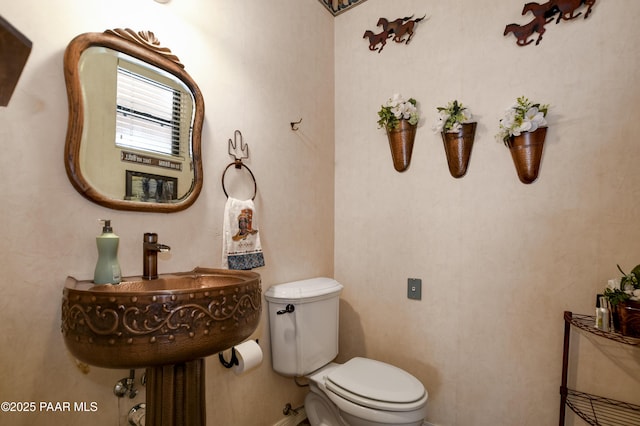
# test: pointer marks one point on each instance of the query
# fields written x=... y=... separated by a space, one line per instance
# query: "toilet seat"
x=377 y=385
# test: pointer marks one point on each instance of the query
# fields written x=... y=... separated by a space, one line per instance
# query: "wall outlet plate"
x=414 y=288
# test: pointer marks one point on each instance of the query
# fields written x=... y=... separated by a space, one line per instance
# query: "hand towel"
x=241 y=248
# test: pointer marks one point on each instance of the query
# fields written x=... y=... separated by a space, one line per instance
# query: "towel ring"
x=239 y=164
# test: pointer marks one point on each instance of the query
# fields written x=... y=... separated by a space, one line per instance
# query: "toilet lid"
x=376 y=384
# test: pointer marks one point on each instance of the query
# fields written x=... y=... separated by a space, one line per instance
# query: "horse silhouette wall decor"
x=544 y=13
x=400 y=30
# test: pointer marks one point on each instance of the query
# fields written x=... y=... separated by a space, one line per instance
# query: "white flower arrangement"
x=452 y=117
x=396 y=109
x=523 y=116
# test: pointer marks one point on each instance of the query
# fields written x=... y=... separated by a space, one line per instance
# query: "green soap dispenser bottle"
x=107 y=268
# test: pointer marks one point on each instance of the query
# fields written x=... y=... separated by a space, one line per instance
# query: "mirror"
x=135 y=123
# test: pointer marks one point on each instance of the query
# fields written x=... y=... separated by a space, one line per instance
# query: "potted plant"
x=623 y=295
x=523 y=130
x=458 y=132
x=399 y=117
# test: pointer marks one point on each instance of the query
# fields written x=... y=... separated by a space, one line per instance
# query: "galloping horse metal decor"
x=545 y=13
x=396 y=29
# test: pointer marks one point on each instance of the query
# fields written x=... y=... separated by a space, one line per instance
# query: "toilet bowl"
x=303 y=321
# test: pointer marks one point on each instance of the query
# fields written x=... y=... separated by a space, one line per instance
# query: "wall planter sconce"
x=523 y=130
x=457 y=147
x=401 y=143
x=458 y=133
x=399 y=117
x=526 y=151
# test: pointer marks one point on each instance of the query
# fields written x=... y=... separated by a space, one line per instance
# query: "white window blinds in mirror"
x=150 y=116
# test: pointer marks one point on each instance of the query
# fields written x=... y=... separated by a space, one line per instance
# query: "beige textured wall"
x=260 y=66
x=500 y=261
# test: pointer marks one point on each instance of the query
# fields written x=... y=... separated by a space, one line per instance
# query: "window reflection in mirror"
x=140 y=121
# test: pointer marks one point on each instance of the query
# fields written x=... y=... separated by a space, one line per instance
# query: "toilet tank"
x=303 y=322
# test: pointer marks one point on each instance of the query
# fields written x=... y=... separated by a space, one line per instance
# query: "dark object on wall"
x=567 y=8
x=14 y=51
x=396 y=29
x=523 y=32
x=377 y=39
x=400 y=27
x=545 y=13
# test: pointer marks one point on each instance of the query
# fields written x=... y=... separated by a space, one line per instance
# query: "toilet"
x=303 y=322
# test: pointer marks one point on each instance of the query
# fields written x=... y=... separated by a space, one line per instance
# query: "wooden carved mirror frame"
x=145 y=47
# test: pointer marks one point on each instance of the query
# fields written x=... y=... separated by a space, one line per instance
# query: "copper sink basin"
x=169 y=320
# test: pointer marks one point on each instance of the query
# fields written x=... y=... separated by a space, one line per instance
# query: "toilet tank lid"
x=304 y=290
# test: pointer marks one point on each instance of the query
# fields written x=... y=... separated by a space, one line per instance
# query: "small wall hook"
x=294 y=124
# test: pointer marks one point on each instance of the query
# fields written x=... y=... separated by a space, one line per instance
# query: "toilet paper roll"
x=249 y=356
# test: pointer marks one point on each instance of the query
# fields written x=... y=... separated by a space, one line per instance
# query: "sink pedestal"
x=176 y=395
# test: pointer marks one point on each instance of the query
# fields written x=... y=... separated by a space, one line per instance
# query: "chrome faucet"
x=150 y=249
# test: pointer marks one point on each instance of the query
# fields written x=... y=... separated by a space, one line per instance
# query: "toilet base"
x=321 y=412
x=356 y=421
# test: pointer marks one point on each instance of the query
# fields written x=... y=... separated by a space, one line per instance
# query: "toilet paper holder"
x=234 y=358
